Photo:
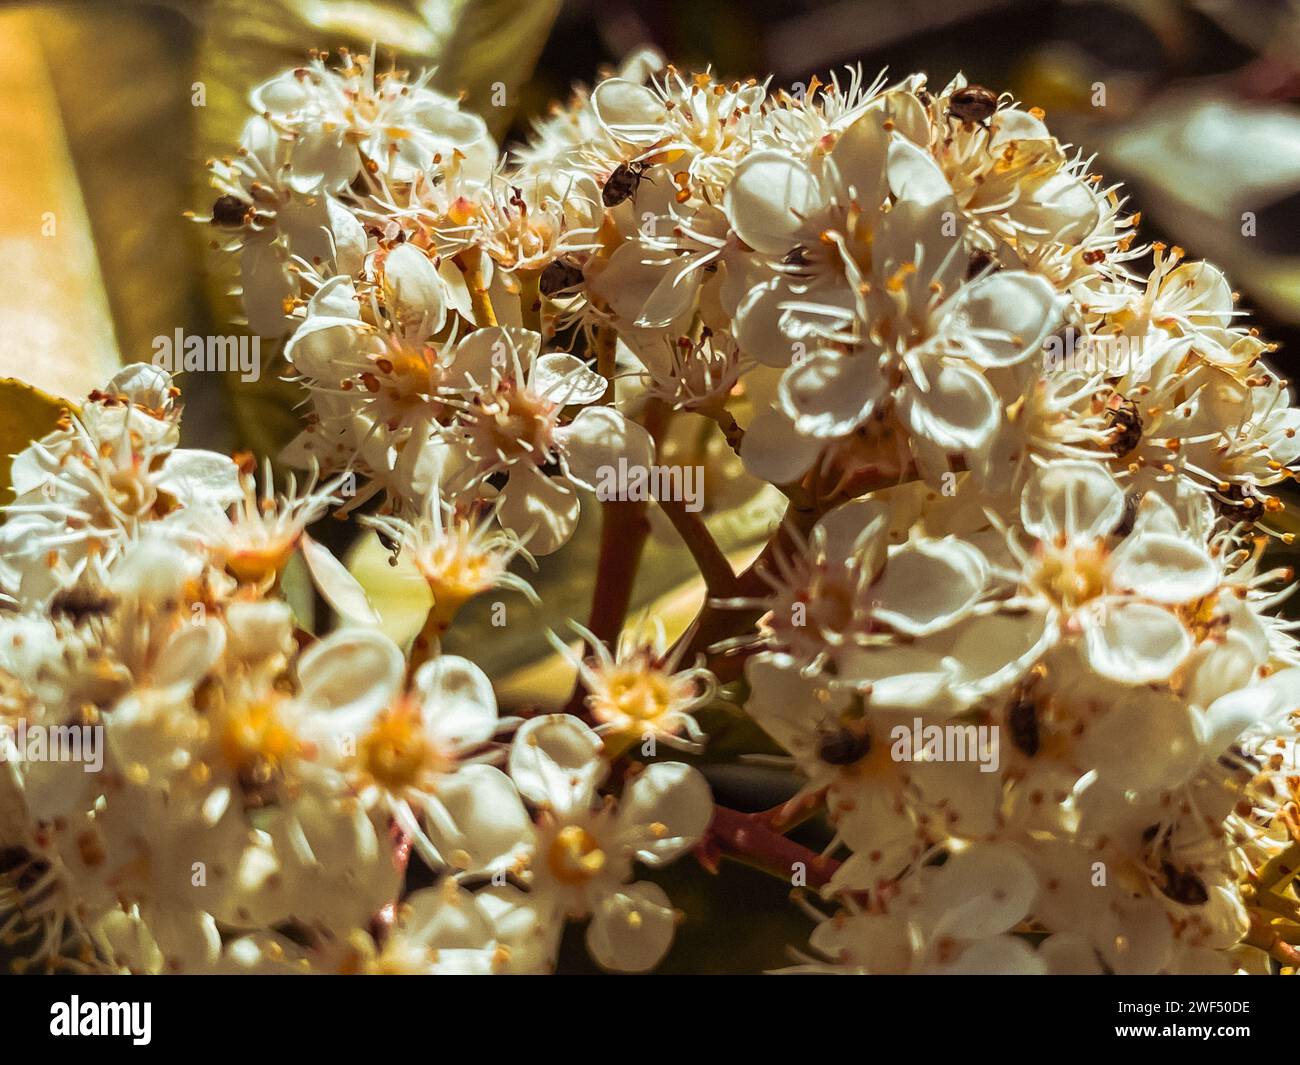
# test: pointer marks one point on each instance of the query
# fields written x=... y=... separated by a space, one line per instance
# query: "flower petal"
x=566 y=379
x=542 y=510
x=1163 y=568
x=664 y=812
x=599 y=437
x=1003 y=319
x=555 y=762
x=1135 y=643
x=828 y=394
x=632 y=929
x=768 y=200
x=928 y=585
x=459 y=706
x=1075 y=497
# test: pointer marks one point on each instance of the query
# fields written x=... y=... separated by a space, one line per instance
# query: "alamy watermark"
x=946 y=743
x=1113 y=356
x=77 y=1018
x=191 y=353
x=636 y=483
x=53 y=743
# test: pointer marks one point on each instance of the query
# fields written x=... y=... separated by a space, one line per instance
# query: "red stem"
x=747 y=838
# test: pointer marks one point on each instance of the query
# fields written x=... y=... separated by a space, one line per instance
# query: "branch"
x=1267 y=940
x=470 y=262
x=624 y=528
x=530 y=299
x=731 y=429
x=606 y=342
x=718 y=575
x=747 y=838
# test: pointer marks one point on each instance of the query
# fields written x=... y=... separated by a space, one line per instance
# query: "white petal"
x=1078 y=498
x=900 y=677
x=758 y=320
x=353 y=672
x=1200 y=292
x=1062 y=209
x=773 y=450
x=1163 y=568
x=856 y=531
x=664 y=812
x=600 y=436
x=1136 y=643
x=928 y=585
x=555 y=761
x=630 y=112
x=200 y=478
x=566 y=379
x=1069 y=954
x=1148 y=742
x=459 y=706
x=413 y=291
x=632 y=929
x=829 y=394
x=959 y=411
x=494 y=349
x=1270 y=702
x=981 y=891
x=779 y=698
x=914 y=175
x=991 y=653
x=265 y=282
x=483 y=818
x=768 y=199
x=542 y=510
x=997 y=956
x=321 y=343
x=858 y=159
x=339 y=588
x=189 y=655
x=1004 y=318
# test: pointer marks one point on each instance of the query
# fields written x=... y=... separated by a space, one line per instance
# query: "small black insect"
x=80 y=604
x=622 y=183
x=796 y=256
x=230 y=212
x=1132 y=500
x=843 y=746
x=1182 y=885
x=981 y=261
x=1022 y=721
x=11 y=858
x=1125 y=423
x=560 y=276
x=974 y=103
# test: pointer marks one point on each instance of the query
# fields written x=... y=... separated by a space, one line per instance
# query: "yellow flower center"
x=1073 y=575
x=397 y=753
x=513 y=424
x=641 y=694
x=575 y=856
x=254 y=742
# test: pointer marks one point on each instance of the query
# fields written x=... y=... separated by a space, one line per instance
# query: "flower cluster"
x=1015 y=631
x=192 y=783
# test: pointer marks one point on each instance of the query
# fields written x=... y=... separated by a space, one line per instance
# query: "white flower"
x=577 y=859
x=951 y=919
x=1119 y=600
x=511 y=423
x=638 y=695
x=86 y=490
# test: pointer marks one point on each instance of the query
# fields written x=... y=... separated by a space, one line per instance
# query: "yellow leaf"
x=29 y=415
x=58 y=331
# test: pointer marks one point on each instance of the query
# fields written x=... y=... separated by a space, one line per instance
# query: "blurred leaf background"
x=108 y=110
